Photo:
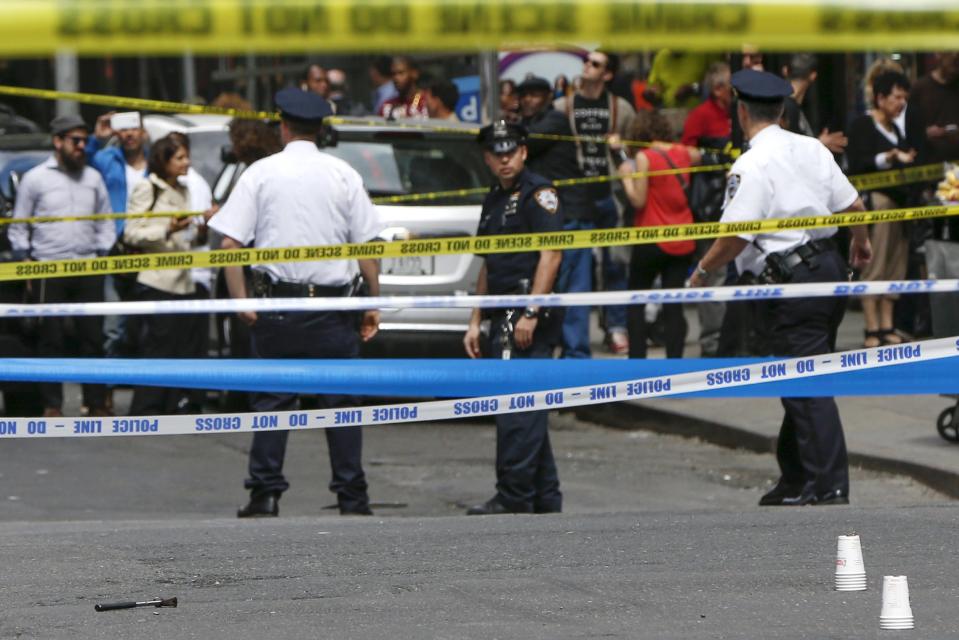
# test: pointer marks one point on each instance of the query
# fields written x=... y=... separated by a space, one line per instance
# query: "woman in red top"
x=659 y=200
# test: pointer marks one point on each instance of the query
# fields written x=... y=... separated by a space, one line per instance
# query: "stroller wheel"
x=947 y=426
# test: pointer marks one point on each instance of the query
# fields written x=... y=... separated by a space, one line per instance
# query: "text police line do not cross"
x=759 y=373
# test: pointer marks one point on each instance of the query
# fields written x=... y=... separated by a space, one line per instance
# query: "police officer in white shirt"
x=302 y=196
x=785 y=175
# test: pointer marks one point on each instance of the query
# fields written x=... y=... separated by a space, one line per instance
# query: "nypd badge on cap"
x=502 y=136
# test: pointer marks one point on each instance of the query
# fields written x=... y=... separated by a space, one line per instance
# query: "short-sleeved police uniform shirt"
x=530 y=206
x=783 y=175
x=300 y=196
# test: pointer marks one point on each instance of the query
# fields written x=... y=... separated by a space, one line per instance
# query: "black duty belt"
x=281 y=289
x=805 y=252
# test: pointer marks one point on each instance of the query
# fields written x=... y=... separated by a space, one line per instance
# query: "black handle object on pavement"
x=110 y=606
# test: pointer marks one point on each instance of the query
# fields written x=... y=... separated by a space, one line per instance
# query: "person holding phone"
x=161 y=334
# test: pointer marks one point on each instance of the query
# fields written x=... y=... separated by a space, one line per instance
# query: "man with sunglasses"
x=65 y=186
x=594 y=112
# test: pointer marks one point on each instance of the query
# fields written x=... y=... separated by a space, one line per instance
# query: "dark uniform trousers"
x=526 y=476
x=307 y=335
x=162 y=335
x=812 y=449
x=89 y=332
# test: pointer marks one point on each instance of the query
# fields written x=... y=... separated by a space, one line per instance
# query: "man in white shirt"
x=302 y=196
x=786 y=175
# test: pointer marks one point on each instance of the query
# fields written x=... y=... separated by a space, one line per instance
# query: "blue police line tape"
x=598 y=298
x=557 y=398
x=458 y=378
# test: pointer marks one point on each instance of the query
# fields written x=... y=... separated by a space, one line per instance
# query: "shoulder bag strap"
x=682 y=183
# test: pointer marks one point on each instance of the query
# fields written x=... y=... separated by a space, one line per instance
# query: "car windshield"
x=399 y=165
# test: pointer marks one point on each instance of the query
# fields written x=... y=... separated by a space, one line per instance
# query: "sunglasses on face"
x=77 y=140
x=596 y=64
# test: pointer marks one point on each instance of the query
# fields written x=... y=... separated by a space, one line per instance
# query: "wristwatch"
x=702 y=273
x=530 y=313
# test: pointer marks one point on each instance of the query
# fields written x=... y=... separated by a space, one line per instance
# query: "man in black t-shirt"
x=595 y=112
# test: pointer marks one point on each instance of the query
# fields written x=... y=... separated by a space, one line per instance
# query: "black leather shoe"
x=799 y=500
x=836 y=496
x=264 y=505
x=775 y=497
x=363 y=510
x=547 y=509
x=491 y=507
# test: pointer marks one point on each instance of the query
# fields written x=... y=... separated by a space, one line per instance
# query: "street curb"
x=631 y=417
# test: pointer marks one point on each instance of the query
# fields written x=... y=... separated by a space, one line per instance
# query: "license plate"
x=409 y=266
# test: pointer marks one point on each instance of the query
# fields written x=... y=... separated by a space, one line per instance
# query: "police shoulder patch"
x=732 y=185
x=547 y=198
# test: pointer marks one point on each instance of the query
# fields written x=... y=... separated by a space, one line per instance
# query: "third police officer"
x=519 y=202
x=785 y=175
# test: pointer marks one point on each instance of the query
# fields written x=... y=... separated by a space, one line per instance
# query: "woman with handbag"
x=160 y=334
x=659 y=200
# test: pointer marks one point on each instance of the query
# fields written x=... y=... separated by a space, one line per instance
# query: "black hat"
x=760 y=86
x=62 y=124
x=296 y=104
x=502 y=136
x=534 y=83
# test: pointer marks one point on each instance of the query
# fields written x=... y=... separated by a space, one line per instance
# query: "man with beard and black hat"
x=552 y=154
x=65 y=186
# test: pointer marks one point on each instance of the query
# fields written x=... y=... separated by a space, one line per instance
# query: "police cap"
x=502 y=136
x=296 y=104
x=760 y=86
x=534 y=83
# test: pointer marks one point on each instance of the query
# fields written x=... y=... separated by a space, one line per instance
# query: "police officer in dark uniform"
x=785 y=175
x=302 y=196
x=521 y=202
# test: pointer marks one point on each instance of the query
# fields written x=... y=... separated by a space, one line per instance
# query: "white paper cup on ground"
x=850 y=571
x=896 y=611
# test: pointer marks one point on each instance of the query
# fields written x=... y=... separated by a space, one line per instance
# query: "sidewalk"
x=895 y=434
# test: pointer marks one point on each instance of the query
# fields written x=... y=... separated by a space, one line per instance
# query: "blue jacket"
x=111 y=164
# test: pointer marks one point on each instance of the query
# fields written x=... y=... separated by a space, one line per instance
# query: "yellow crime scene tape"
x=138 y=27
x=138 y=104
x=558 y=240
x=165 y=106
x=897 y=177
x=865 y=182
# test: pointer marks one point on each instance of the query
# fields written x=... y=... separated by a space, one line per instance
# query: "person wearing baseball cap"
x=65 y=186
x=552 y=154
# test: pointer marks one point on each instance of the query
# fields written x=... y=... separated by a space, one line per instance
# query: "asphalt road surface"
x=661 y=539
